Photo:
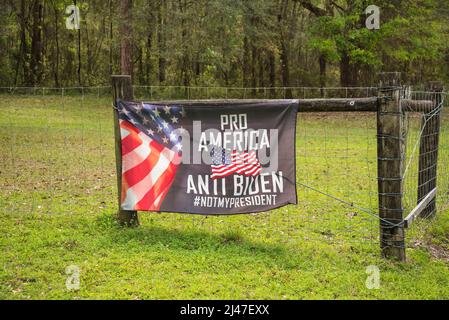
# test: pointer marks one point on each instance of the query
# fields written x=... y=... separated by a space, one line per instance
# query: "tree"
x=126 y=37
x=36 y=42
x=247 y=43
x=325 y=52
x=21 y=59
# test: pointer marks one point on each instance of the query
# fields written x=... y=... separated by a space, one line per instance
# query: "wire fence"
x=334 y=152
x=57 y=155
x=427 y=157
x=198 y=92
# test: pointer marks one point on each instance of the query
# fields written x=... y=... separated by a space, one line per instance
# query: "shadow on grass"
x=228 y=244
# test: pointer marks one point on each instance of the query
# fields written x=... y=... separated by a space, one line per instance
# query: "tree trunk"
x=89 y=53
x=36 y=42
x=285 y=69
x=261 y=62
x=286 y=29
x=254 y=59
x=78 y=71
x=272 y=73
x=322 y=61
x=148 y=66
x=141 y=67
x=56 y=70
x=345 y=71
x=161 y=41
x=21 y=61
x=111 y=38
x=126 y=60
x=246 y=62
x=185 y=65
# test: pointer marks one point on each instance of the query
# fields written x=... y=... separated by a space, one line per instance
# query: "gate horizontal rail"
x=370 y=104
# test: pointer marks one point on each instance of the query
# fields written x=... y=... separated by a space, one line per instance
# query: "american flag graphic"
x=226 y=162
x=150 y=153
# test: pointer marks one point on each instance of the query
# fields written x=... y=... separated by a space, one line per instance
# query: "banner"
x=208 y=157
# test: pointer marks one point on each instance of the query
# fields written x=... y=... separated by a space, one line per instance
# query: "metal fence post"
x=391 y=154
x=121 y=89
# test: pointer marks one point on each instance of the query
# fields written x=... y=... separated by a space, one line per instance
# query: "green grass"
x=58 y=201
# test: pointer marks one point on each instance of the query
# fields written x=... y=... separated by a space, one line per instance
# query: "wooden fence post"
x=428 y=152
x=390 y=163
x=121 y=89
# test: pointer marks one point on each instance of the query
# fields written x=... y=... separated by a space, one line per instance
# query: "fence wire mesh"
x=58 y=158
x=427 y=156
x=334 y=152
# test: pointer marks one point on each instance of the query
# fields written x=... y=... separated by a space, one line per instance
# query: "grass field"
x=58 y=201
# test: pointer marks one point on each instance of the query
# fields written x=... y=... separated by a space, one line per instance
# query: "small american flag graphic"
x=226 y=162
x=150 y=153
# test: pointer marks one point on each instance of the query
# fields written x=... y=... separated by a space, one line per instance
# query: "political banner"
x=208 y=157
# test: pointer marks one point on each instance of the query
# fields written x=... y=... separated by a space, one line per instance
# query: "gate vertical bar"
x=121 y=89
x=390 y=165
x=428 y=151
